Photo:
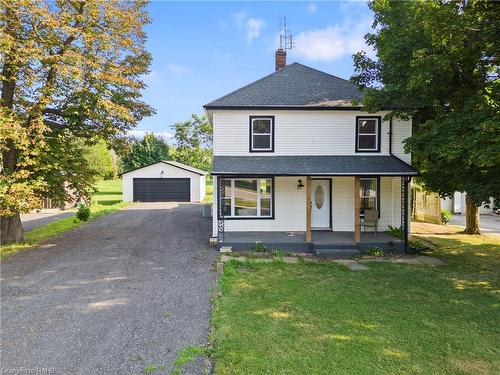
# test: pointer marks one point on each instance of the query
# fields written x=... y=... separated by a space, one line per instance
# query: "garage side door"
x=162 y=189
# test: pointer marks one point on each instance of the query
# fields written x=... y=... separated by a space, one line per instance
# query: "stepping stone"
x=351 y=264
x=430 y=260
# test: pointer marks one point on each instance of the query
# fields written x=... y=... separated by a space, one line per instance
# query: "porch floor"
x=296 y=241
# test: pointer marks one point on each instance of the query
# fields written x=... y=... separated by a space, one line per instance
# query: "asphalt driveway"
x=37 y=219
x=127 y=291
x=489 y=223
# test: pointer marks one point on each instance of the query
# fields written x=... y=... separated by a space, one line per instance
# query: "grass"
x=105 y=201
x=306 y=318
x=209 y=189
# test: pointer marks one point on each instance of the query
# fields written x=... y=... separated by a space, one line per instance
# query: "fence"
x=426 y=207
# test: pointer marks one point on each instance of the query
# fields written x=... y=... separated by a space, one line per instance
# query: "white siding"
x=400 y=131
x=290 y=208
x=154 y=171
x=343 y=204
x=303 y=132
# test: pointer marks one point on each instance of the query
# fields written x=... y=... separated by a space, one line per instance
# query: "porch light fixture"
x=300 y=185
x=161 y=174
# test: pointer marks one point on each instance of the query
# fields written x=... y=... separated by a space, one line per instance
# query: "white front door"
x=320 y=204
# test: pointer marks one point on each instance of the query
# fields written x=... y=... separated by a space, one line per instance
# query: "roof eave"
x=286 y=107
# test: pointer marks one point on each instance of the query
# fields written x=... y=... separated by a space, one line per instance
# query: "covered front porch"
x=320 y=240
x=308 y=204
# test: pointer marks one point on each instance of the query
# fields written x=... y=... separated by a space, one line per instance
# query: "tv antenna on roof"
x=286 y=39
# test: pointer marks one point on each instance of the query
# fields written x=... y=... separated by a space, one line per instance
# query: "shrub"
x=445 y=216
x=395 y=232
x=278 y=252
x=83 y=212
x=374 y=251
x=259 y=248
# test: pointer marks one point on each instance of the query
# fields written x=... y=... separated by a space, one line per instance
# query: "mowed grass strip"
x=276 y=318
x=106 y=200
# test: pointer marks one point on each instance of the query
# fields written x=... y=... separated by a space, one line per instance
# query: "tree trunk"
x=471 y=217
x=11 y=229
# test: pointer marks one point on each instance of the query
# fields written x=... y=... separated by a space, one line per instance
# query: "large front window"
x=248 y=197
x=368 y=192
x=367 y=134
x=261 y=134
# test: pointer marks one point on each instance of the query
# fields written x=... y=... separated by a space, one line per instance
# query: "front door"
x=320 y=204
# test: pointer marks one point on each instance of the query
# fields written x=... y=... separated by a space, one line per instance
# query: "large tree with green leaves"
x=69 y=69
x=145 y=151
x=438 y=62
x=194 y=142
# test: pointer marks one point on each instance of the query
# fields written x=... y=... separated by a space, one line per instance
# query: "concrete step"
x=337 y=253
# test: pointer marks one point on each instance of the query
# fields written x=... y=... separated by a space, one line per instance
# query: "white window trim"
x=377 y=125
x=259 y=216
x=270 y=134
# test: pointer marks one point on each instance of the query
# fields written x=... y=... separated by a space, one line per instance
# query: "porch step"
x=337 y=252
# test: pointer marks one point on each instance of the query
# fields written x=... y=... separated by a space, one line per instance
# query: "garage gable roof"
x=173 y=163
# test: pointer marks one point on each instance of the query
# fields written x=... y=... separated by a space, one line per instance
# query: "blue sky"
x=203 y=50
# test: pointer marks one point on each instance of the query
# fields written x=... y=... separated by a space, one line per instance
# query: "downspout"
x=390 y=136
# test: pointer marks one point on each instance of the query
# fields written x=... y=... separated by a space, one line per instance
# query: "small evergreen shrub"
x=374 y=251
x=445 y=216
x=83 y=212
x=259 y=248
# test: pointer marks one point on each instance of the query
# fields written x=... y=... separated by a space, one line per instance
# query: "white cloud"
x=333 y=42
x=141 y=133
x=254 y=26
x=251 y=26
x=177 y=69
x=239 y=18
x=312 y=8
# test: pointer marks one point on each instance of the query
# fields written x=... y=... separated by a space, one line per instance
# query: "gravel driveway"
x=125 y=292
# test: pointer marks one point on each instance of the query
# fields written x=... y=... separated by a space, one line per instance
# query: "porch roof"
x=312 y=165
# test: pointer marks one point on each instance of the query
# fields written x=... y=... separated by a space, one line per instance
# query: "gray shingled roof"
x=312 y=165
x=296 y=85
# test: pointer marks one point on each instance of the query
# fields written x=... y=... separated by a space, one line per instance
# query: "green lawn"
x=209 y=189
x=276 y=318
x=106 y=200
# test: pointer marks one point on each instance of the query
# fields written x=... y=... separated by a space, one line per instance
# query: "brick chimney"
x=280 y=57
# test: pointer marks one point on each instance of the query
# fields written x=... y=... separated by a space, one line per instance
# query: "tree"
x=146 y=151
x=437 y=61
x=194 y=142
x=100 y=159
x=70 y=69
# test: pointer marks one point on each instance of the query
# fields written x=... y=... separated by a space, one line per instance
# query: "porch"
x=320 y=242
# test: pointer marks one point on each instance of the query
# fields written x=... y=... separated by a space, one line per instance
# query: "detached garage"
x=165 y=181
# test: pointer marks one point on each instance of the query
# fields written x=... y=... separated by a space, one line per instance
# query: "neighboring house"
x=296 y=163
x=456 y=204
x=164 y=181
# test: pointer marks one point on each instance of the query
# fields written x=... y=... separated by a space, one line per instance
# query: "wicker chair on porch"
x=370 y=220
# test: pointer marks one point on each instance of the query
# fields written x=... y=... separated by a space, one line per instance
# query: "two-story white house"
x=297 y=164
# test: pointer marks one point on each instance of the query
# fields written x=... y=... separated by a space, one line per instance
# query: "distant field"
x=108 y=192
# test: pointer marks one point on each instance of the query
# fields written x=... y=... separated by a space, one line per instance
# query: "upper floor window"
x=368 y=134
x=261 y=133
